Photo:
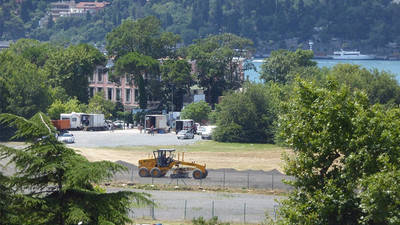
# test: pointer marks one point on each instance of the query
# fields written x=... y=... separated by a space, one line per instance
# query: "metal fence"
x=224 y=178
x=247 y=212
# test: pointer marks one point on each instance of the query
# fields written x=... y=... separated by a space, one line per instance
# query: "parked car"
x=200 y=130
x=67 y=138
x=207 y=134
x=185 y=134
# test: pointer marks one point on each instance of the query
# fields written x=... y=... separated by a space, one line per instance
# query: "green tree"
x=381 y=87
x=281 y=66
x=338 y=140
x=217 y=63
x=58 y=107
x=380 y=197
x=176 y=74
x=53 y=178
x=6 y=199
x=197 y=111
x=142 y=36
x=32 y=50
x=141 y=67
x=246 y=116
x=70 y=68
x=99 y=104
x=25 y=89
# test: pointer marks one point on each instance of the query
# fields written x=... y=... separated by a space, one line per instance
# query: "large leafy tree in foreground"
x=54 y=185
x=341 y=146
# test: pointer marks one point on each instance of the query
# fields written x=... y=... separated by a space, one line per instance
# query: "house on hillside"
x=92 y=7
x=71 y=9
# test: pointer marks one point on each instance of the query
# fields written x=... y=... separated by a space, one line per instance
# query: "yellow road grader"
x=164 y=161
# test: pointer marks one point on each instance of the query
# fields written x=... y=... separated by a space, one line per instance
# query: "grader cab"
x=164 y=161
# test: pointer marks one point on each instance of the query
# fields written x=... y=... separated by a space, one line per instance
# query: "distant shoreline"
x=390 y=57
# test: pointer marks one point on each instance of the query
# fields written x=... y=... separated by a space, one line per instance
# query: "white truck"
x=159 y=123
x=187 y=124
x=86 y=121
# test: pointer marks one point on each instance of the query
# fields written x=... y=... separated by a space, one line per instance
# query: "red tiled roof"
x=92 y=4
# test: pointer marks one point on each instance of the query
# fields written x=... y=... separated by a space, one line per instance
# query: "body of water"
x=381 y=65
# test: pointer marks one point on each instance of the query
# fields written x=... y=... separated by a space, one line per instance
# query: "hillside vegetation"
x=362 y=24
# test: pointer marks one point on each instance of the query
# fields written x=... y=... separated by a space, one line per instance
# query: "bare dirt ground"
x=258 y=160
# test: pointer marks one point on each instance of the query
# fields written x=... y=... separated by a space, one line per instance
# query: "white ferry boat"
x=350 y=55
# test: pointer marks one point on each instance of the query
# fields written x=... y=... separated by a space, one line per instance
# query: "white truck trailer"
x=159 y=123
x=87 y=121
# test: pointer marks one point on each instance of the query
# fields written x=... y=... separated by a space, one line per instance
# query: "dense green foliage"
x=282 y=66
x=218 y=58
x=70 y=69
x=366 y=24
x=142 y=67
x=198 y=111
x=54 y=185
x=212 y=221
x=45 y=77
x=178 y=79
x=381 y=87
x=341 y=144
x=25 y=91
x=247 y=116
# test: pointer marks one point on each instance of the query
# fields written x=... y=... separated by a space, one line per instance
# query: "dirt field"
x=257 y=160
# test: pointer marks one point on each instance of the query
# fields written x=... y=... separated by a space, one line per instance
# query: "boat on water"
x=350 y=55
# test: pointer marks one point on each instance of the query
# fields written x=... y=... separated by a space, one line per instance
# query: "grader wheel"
x=205 y=174
x=197 y=174
x=144 y=172
x=155 y=172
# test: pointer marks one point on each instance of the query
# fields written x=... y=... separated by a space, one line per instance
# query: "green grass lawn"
x=205 y=146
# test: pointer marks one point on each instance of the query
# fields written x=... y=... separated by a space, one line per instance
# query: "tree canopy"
x=71 y=68
x=247 y=116
x=361 y=24
x=142 y=36
x=218 y=58
x=197 y=111
x=176 y=74
x=282 y=65
x=340 y=144
x=142 y=67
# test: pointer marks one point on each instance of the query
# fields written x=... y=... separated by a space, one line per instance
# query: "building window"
x=99 y=89
x=136 y=95
x=91 y=78
x=128 y=95
x=99 y=76
x=118 y=94
x=91 y=92
x=110 y=94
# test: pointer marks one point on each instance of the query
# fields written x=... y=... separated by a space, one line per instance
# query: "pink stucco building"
x=126 y=93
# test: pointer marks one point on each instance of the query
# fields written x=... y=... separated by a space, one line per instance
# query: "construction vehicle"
x=164 y=161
